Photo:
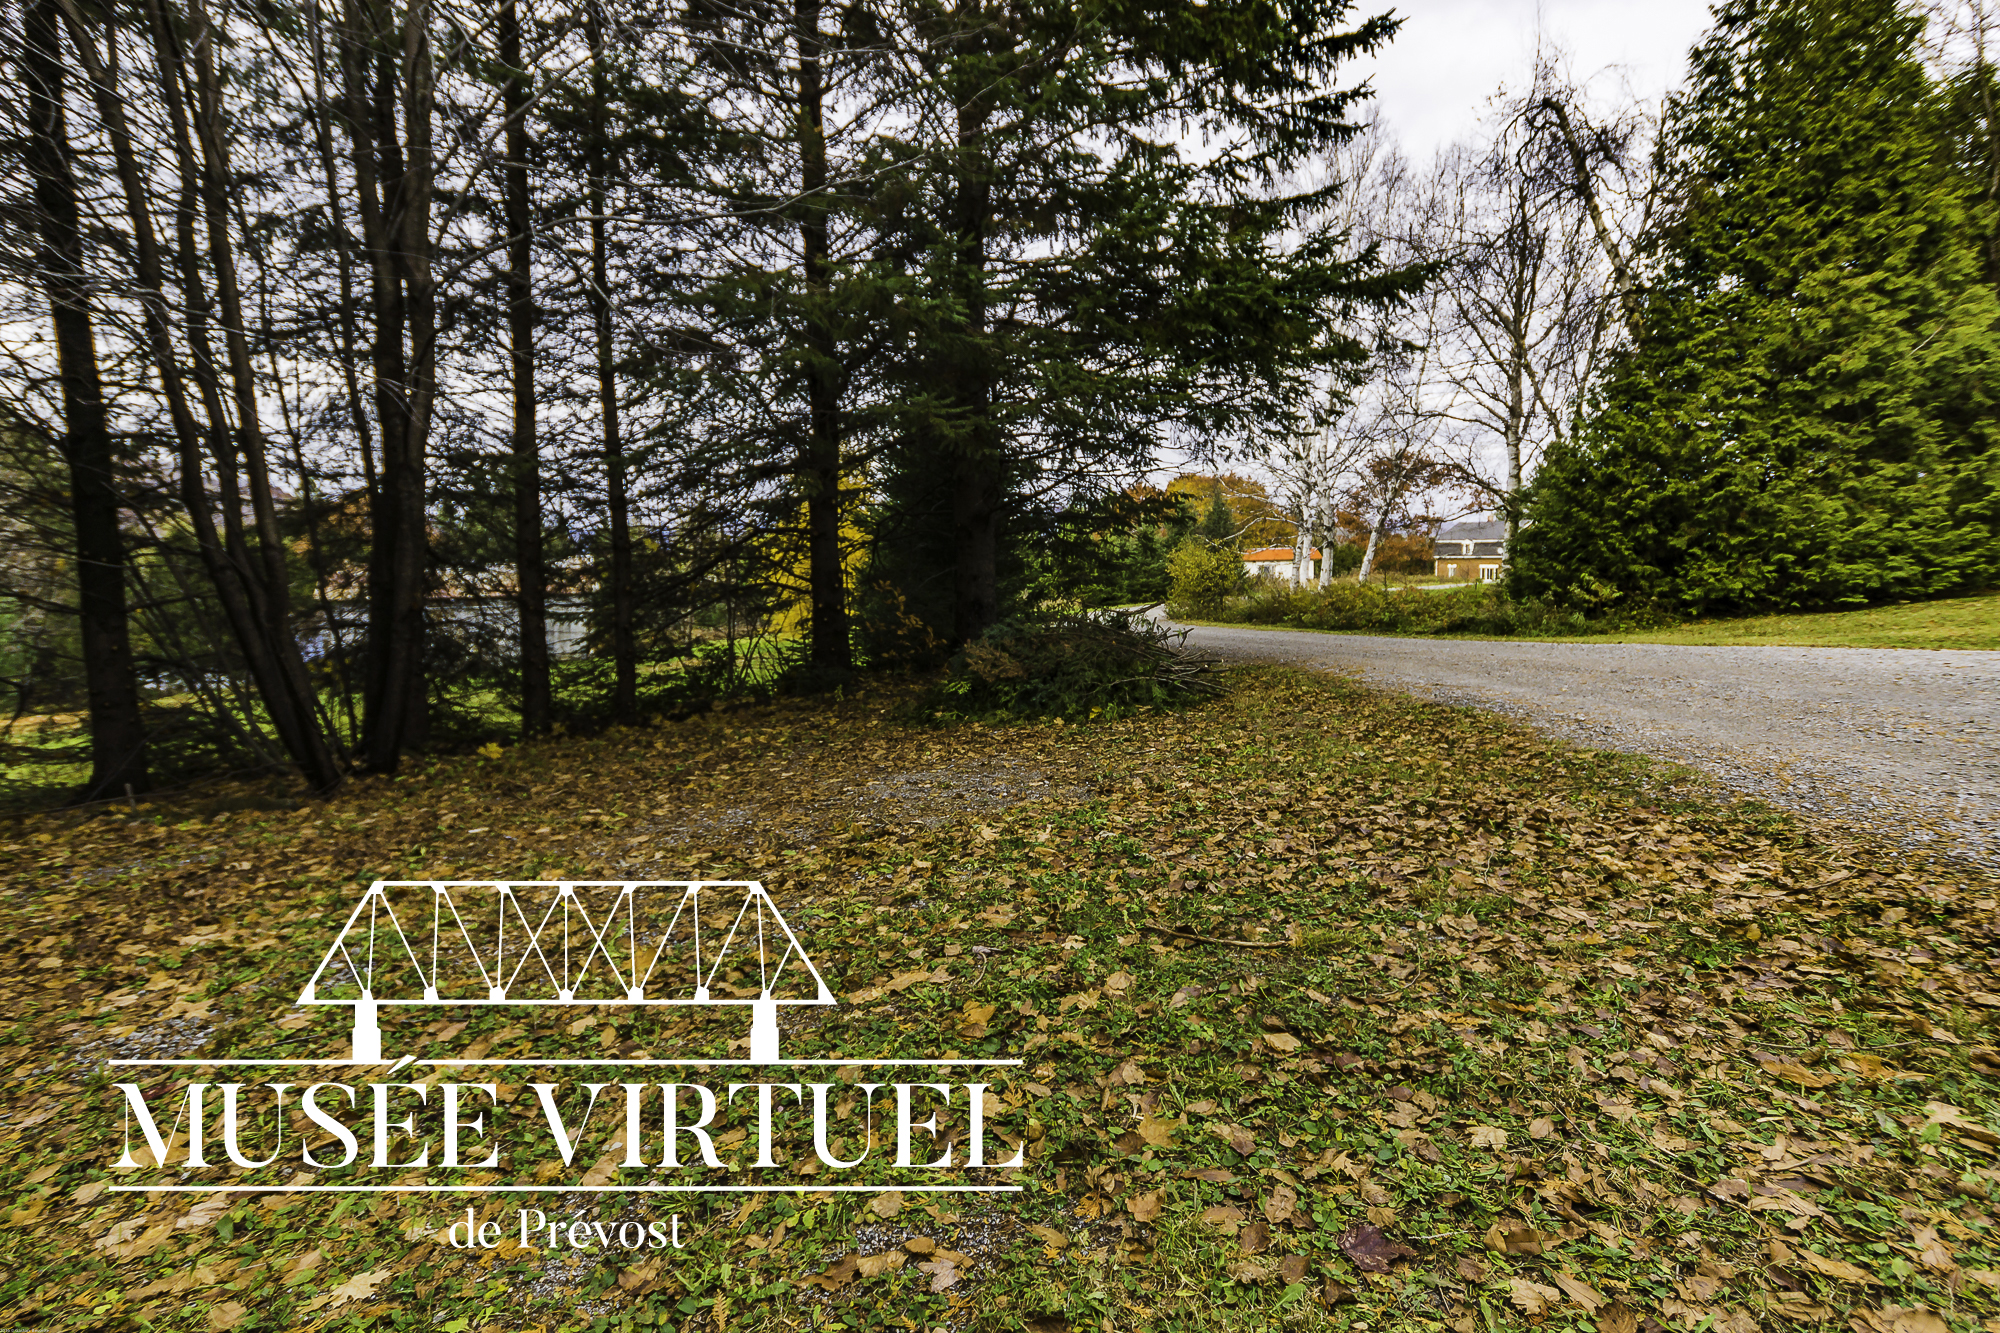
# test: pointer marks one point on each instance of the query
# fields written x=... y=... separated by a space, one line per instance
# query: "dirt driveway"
x=1903 y=742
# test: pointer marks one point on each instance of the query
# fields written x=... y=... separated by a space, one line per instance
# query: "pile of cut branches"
x=1075 y=667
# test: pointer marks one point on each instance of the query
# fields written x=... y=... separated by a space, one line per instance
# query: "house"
x=1472 y=551
x=1275 y=562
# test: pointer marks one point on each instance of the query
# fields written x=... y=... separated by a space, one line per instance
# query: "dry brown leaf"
x=226 y=1315
x=1488 y=1136
x=1282 y=1205
x=886 y=1205
x=1369 y=1250
x=944 y=1274
x=205 y=1212
x=1532 y=1298
x=1222 y=1214
x=1146 y=1207
x=1236 y=1137
x=643 y=1277
x=1157 y=1132
x=1799 y=1074
x=874 y=1265
x=1541 y=1127
x=1049 y=1236
x=1617 y=1319
x=361 y=1286
x=1838 y=1269
x=1579 y=1291
x=1282 y=1041
x=836 y=1274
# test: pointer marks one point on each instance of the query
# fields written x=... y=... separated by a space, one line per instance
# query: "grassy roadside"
x=1959 y=622
x=1545 y=1039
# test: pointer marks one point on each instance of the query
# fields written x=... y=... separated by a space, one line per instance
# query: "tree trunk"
x=819 y=467
x=1374 y=543
x=117 y=735
x=976 y=472
x=530 y=571
x=624 y=646
x=393 y=190
x=278 y=667
x=257 y=621
x=1326 y=536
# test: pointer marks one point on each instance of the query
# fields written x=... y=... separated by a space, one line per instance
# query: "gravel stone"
x=1901 y=743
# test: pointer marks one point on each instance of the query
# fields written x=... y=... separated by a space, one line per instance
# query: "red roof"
x=1269 y=553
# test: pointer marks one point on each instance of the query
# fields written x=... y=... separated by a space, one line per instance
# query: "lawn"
x=1954 y=622
x=1338 y=1010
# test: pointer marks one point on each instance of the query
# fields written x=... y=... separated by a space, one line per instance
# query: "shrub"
x=1071 y=666
x=1201 y=578
x=1480 y=609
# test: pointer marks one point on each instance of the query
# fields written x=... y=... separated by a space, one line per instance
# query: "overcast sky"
x=1452 y=54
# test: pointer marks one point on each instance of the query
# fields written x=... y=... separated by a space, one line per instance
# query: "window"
x=1489 y=573
x=1451 y=571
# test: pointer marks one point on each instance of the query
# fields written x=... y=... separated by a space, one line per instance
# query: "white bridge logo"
x=484 y=942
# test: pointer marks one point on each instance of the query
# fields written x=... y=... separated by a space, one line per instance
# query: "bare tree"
x=1531 y=227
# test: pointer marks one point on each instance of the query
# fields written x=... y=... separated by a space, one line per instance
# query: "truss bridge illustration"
x=478 y=942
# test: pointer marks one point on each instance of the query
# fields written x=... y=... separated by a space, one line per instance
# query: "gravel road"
x=1902 y=742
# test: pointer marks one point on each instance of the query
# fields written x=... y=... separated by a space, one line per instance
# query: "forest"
x=383 y=378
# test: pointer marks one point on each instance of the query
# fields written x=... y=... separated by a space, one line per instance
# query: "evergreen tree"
x=1080 y=288
x=1218 y=525
x=1809 y=418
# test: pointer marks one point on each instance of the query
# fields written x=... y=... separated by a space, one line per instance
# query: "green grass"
x=1292 y=972
x=1958 y=622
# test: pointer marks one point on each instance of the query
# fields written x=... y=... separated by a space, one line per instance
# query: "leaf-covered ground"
x=1338 y=1010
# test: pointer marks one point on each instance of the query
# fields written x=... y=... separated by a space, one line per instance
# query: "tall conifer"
x=1810 y=417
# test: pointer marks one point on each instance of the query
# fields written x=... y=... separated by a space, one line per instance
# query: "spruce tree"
x=1809 y=418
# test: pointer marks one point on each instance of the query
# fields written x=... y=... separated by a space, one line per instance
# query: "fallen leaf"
x=1541 y=1127
x=1222 y=1214
x=1515 y=1238
x=1369 y=1249
x=836 y=1274
x=1292 y=1268
x=1282 y=1206
x=1049 y=1236
x=1145 y=1207
x=1531 y=1297
x=1488 y=1136
x=1838 y=1269
x=1157 y=1132
x=1255 y=1238
x=1799 y=1074
x=886 y=1205
x=972 y=1022
x=874 y=1265
x=944 y=1274
x=1579 y=1291
x=361 y=1286
x=1236 y=1137
x=1282 y=1041
x=1617 y=1319
x=226 y=1315
x=204 y=1212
